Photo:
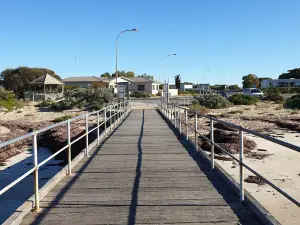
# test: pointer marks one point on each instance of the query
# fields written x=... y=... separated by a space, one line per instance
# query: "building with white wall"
x=280 y=83
x=133 y=84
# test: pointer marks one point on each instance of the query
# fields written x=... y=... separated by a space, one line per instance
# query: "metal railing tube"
x=241 y=140
x=87 y=134
x=69 y=147
x=36 y=174
x=179 y=116
x=105 y=122
x=196 y=132
x=186 y=124
x=110 y=118
x=98 y=128
x=174 y=115
x=212 y=145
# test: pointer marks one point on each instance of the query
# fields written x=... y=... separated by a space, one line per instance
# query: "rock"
x=4 y=130
x=255 y=180
x=2 y=109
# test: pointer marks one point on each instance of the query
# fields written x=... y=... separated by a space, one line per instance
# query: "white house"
x=280 y=83
x=134 y=84
x=186 y=86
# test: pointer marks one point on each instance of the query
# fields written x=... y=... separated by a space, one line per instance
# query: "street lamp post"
x=135 y=30
x=203 y=80
x=165 y=63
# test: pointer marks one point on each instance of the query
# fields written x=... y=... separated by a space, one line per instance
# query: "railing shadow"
x=219 y=184
x=136 y=184
x=41 y=216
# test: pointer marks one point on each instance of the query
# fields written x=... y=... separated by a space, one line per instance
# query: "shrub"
x=46 y=103
x=240 y=99
x=8 y=100
x=274 y=97
x=90 y=98
x=272 y=90
x=199 y=108
x=140 y=95
x=212 y=101
x=293 y=102
x=62 y=118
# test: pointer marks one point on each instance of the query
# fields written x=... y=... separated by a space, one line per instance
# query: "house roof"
x=47 y=79
x=106 y=79
x=85 y=79
x=139 y=79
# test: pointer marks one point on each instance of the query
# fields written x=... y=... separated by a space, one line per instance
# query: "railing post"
x=87 y=134
x=118 y=113
x=114 y=116
x=186 y=125
x=168 y=113
x=212 y=145
x=98 y=128
x=241 y=139
x=171 y=112
x=175 y=124
x=36 y=173
x=110 y=118
x=105 y=118
x=179 y=116
x=69 y=147
x=196 y=132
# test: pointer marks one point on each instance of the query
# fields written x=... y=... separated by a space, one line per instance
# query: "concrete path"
x=142 y=174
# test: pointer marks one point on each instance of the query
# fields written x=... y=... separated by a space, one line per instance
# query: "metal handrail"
x=116 y=117
x=169 y=111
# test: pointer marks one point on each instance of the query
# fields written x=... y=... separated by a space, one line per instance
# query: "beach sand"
x=281 y=168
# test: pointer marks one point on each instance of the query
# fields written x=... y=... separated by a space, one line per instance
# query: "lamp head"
x=134 y=29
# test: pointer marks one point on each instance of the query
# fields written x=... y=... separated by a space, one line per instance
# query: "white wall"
x=149 y=87
x=184 y=87
x=112 y=83
x=279 y=82
x=173 y=92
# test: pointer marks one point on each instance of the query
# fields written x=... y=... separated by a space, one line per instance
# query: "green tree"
x=130 y=74
x=107 y=74
x=250 y=81
x=263 y=78
x=234 y=87
x=177 y=81
x=147 y=76
x=18 y=79
x=295 y=73
x=121 y=73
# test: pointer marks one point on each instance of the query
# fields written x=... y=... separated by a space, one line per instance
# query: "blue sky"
x=231 y=38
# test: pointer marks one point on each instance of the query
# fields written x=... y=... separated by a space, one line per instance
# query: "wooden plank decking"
x=142 y=174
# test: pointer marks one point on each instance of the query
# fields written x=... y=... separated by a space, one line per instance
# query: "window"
x=153 y=87
x=141 y=87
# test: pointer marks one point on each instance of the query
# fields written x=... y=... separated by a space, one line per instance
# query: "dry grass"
x=199 y=108
x=236 y=112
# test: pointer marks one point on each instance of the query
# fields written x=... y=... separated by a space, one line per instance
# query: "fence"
x=116 y=113
x=172 y=112
x=41 y=96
